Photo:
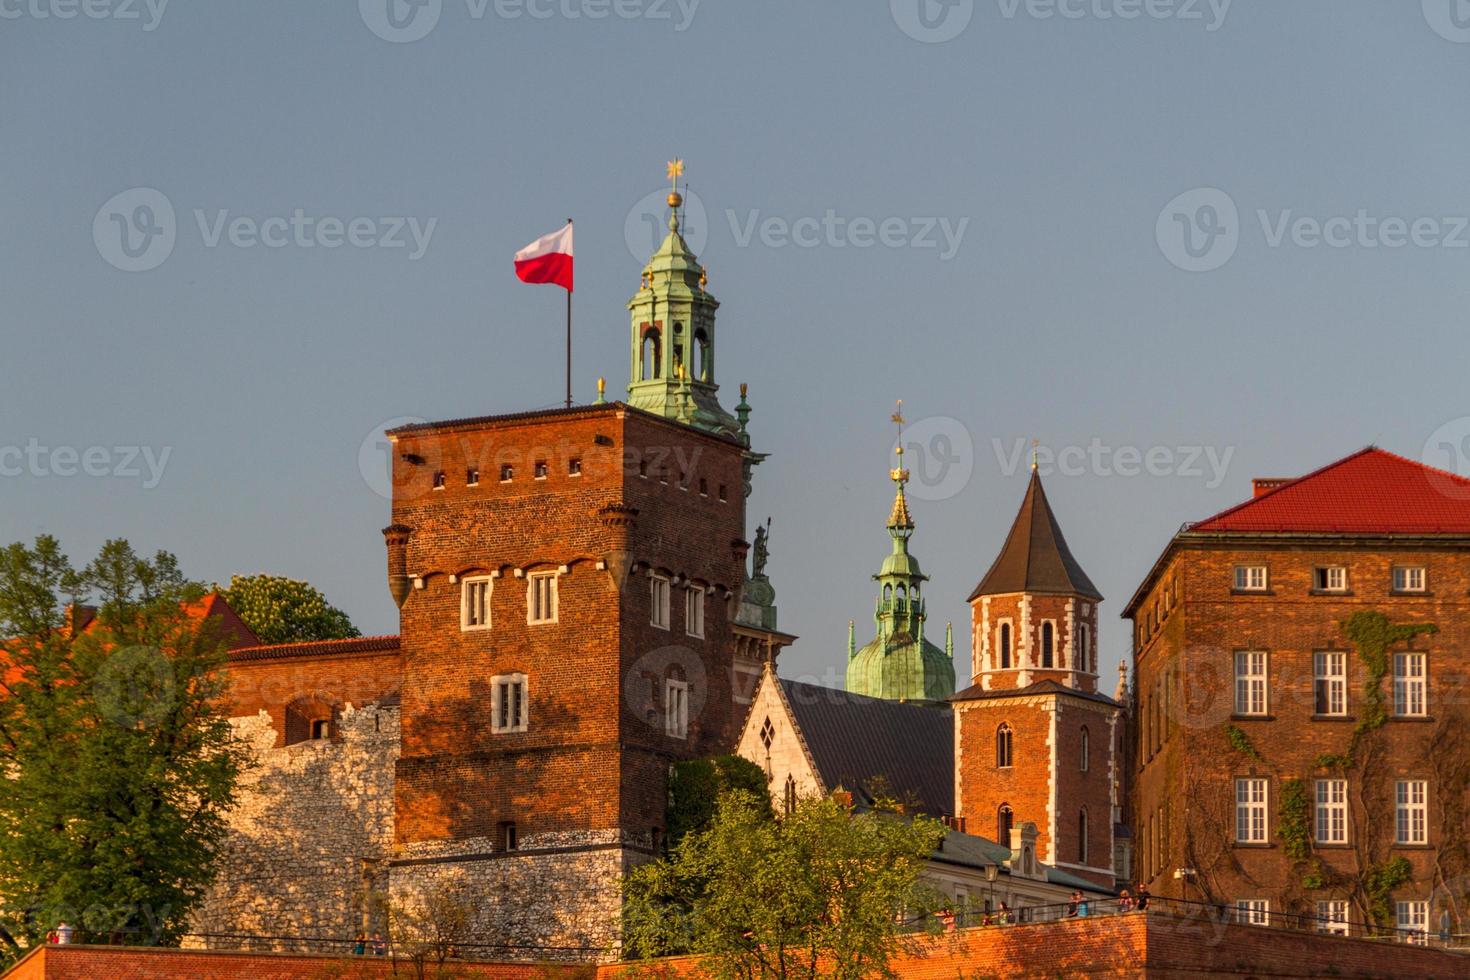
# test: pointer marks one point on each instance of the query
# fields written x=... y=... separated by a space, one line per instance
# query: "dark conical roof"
x=1035 y=557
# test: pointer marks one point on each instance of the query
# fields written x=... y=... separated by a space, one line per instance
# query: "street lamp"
x=992 y=871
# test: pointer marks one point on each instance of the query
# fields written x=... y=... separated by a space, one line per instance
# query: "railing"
x=1183 y=910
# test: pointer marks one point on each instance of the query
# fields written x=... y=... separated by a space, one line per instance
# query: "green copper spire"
x=673 y=332
x=899 y=663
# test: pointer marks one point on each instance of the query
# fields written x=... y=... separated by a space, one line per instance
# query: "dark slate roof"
x=863 y=744
x=1035 y=557
x=316 y=648
x=972 y=851
x=978 y=693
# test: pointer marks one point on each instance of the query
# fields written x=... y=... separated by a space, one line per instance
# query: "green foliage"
x=1241 y=742
x=1380 y=881
x=695 y=787
x=1329 y=760
x=283 y=610
x=1293 y=819
x=811 y=895
x=1374 y=634
x=121 y=764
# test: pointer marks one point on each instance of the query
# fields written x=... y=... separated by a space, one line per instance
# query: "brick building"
x=1035 y=740
x=1303 y=740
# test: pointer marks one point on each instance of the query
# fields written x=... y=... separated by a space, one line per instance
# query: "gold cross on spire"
x=898 y=474
x=674 y=171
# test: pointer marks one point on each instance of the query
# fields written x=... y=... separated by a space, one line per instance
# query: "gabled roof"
x=979 y=693
x=1035 y=557
x=316 y=648
x=866 y=745
x=1373 y=491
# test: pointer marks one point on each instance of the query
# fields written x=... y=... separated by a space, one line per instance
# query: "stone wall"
x=310 y=837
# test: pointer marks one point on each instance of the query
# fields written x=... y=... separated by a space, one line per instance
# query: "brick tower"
x=1036 y=741
x=567 y=583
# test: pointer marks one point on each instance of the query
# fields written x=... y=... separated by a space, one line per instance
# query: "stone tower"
x=567 y=583
x=899 y=663
x=1037 y=742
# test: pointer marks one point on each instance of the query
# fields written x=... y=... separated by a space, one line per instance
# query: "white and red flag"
x=548 y=259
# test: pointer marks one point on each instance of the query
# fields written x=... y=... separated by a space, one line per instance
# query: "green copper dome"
x=899 y=663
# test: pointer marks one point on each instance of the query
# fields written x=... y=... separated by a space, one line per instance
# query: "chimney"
x=396 y=537
x=1265 y=484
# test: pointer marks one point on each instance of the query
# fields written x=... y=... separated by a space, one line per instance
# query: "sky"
x=1179 y=243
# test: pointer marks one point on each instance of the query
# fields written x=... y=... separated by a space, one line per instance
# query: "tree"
x=819 y=893
x=696 y=785
x=120 y=762
x=283 y=610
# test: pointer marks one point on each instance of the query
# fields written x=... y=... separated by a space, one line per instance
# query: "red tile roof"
x=1373 y=491
x=317 y=648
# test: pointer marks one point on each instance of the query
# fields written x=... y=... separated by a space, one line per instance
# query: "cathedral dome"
x=901 y=667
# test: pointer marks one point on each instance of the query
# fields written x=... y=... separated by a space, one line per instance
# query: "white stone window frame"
x=1252 y=815
x=1412 y=918
x=1253 y=911
x=1410 y=684
x=1329 y=683
x=467 y=589
x=1015 y=657
x=1330 y=578
x=536 y=601
x=1331 y=814
x=1411 y=812
x=1409 y=579
x=1252 y=683
x=1056 y=650
x=676 y=708
x=659 y=589
x=1082 y=660
x=694 y=603
x=1332 y=917
x=1251 y=578
x=503 y=690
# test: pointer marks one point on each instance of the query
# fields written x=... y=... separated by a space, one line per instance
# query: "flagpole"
x=569 y=343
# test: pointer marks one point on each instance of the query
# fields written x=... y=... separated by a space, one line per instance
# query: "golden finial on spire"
x=674 y=171
x=898 y=474
x=704 y=277
x=1035 y=452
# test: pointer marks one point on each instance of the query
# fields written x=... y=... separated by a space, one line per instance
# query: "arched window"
x=1082 y=659
x=790 y=801
x=1005 y=646
x=887 y=593
x=903 y=592
x=701 y=355
x=1048 y=645
x=1003 y=746
x=1082 y=836
x=652 y=363
x=1004 y=818
x=1086 y=750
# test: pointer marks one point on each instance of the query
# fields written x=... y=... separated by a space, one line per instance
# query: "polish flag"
x=548 y=259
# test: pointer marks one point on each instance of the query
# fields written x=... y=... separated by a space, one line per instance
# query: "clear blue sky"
x=1060 y=140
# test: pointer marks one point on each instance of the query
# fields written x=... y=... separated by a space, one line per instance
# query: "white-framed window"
x=1332 y=811
x=1408 y=578
x=1332 y=917
x=1253 y=911
x=1410 y=684
x=1332 y=578
x=1329 y=686
x=676 y=708
x=1413 y=922
x=1004 y=655
x=474 y=603
x=1250 y=810
x=658 y=600
x=1048 y=643
x=694 y=611
x=1250 y=682
x=1250 y=578
x=541 y=600
x=1411 y=812
x=510 y=709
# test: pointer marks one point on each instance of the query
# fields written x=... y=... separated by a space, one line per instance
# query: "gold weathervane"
x=898 y=474
x=674 y=171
